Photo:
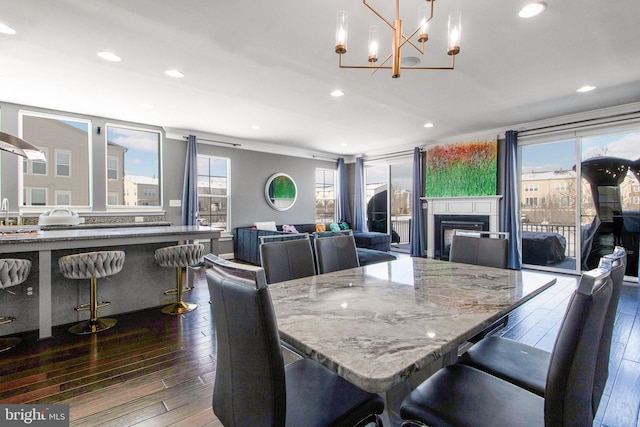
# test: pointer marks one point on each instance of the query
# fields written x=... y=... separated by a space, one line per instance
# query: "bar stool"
x=12 y=273
x=93 y=266
x=179 y=257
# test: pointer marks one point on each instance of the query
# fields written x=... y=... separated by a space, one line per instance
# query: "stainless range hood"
x=19 y=146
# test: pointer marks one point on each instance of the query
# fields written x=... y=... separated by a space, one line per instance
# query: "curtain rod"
x=581 y=124
x=392 y=155
x=233 y=144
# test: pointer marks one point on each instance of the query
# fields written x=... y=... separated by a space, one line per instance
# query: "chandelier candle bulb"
x=373 y=43
x=427 y=14
x=342 y=22
x=455 y=32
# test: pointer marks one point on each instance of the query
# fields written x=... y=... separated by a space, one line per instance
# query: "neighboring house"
x=141 y=191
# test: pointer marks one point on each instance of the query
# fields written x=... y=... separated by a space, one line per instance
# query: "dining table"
x=380 y=326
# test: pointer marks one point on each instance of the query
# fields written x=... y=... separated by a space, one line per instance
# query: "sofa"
x=372 y=247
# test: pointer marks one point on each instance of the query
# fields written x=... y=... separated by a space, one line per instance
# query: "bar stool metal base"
x=92 y=326
x=179 y=308
x=8 y=343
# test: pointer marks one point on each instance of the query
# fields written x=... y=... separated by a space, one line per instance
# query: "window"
x=63 y=163
x=531 y=201
x=63 y=198
x=112 y=198
x=138 y=150
x=325 y=195
x=213 y=191
x=35 y=196
x=60 y=138
x=531 y=187
x=112 y=167
x=561 y=186
x=38 y=167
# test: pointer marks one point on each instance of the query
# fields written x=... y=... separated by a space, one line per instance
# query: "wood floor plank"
x=624 y=404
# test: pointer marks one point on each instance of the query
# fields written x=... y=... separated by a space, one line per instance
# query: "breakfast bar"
x=47 y=298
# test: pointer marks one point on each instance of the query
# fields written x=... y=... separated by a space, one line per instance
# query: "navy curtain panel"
x=359 y=214
x=344 y=211
x=510 y=202
x=190 y=188
x=417 y=244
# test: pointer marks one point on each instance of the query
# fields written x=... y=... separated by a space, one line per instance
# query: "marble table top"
x=376 y=325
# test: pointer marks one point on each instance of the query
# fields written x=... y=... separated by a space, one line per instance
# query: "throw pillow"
x=344 y=226
x=266 y=225
x=334 y=226
x=289 y=228
x=321 y=228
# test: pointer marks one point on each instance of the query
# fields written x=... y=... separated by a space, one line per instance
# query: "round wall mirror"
x=281 y=191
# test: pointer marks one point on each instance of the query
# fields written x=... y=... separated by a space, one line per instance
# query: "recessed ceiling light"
x=410 y=61
x=344 y=144
x=174 y=73
x=337 y=93
x=586 y=88
x=109 y=56
x=532 y=9
x=256 y=127
x=429 y=125
x=146 y=106
x=5 y=29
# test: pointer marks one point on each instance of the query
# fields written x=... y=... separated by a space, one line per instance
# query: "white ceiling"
x=273 y=64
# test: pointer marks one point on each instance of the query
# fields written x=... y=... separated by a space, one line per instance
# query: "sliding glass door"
x=390 y=211
x=610 y=205
x=548 y=201
x=580 y=197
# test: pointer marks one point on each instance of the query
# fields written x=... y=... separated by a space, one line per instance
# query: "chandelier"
x=399 y=39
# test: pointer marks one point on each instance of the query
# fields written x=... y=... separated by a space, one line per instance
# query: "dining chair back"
x=618 y=265
x=288 y=259
x=253 y=387
x=335 y=253
x=460 y=395
x=489 y=249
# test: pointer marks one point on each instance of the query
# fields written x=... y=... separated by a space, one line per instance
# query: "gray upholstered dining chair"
x=461 y=395
x=335 y=253
x=288 y=259
x=527 y=366
x=489 y=249
x=253 y=387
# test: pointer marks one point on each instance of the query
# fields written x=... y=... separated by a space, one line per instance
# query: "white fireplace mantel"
x=475 y=205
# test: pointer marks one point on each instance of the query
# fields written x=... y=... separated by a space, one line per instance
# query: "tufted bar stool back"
x=179 y=257
x=12 y=272
x=92 y=266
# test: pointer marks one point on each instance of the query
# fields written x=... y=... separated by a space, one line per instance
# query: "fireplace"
x=474 y=210
x=444 y=226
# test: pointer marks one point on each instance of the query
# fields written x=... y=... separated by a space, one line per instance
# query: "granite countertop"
x=376 y=325
x=30 y=234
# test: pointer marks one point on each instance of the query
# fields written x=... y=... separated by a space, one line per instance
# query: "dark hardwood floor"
x=158 y=370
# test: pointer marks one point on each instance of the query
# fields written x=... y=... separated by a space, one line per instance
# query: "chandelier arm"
x=378 y=14
x=388 y=67
x=408 y=40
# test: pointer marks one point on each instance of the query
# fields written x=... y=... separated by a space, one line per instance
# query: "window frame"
x=226 y=196
x=22 y=196
x=135 y=208
x=55 y=155
x=325 y=199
